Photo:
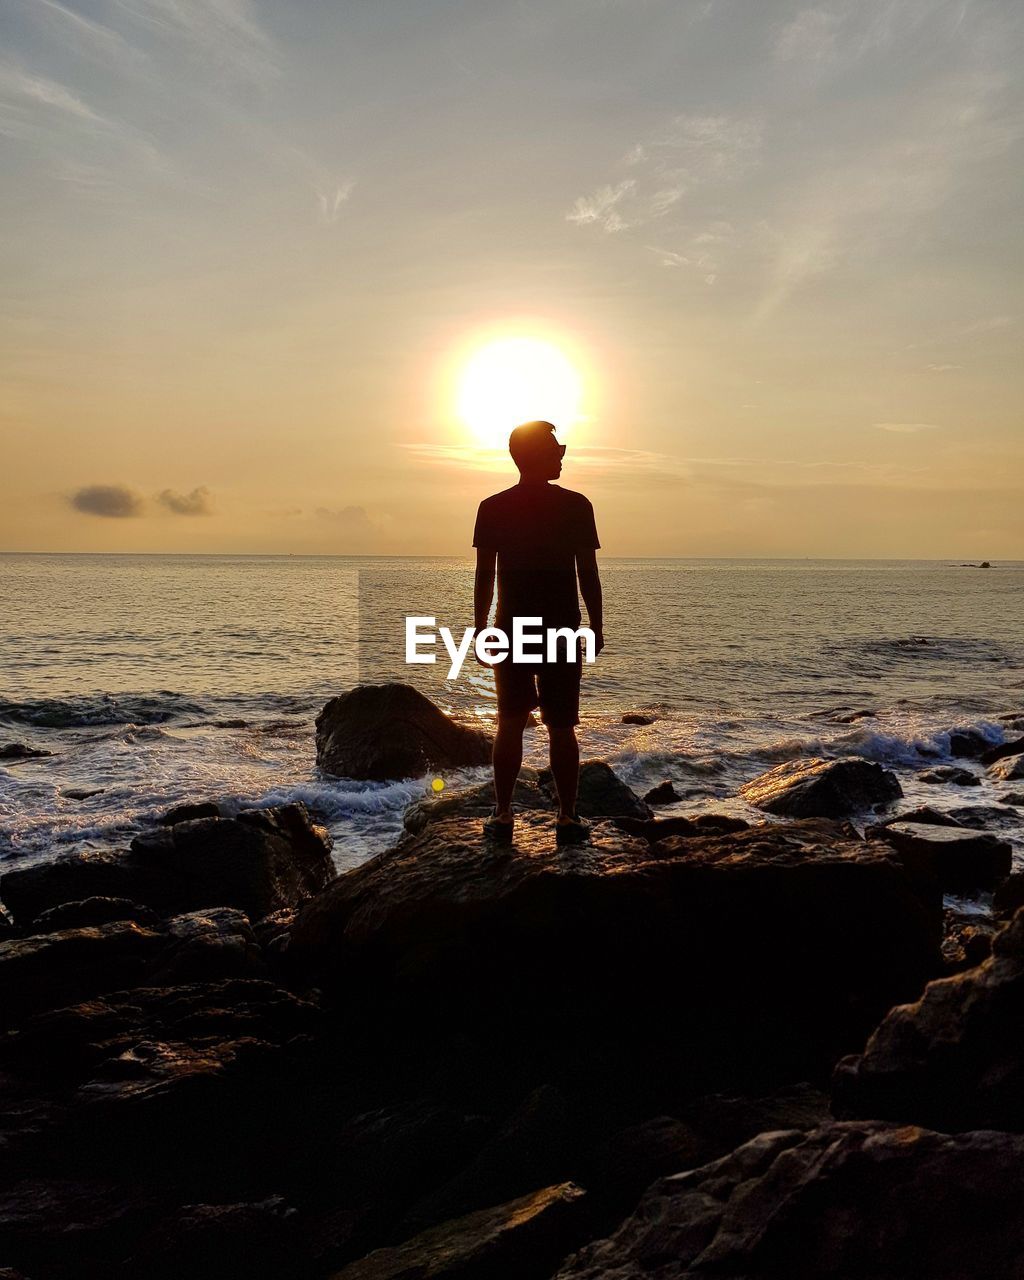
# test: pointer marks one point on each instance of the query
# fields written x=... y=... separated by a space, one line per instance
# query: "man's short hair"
x=524 y=440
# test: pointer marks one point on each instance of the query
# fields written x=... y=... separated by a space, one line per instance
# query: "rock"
x=82 y=793
x=865 y=1201
x=815 y=788
x=22 y=751
x=962 y=859
x=760 y=933
x=1007 y=769
x=638 y=717
x=475 y=802
x=189 y=813
x=260 y=1240
x=93 y=911
x=953 y=1059
x=1014 y=798
x=527 y=1236
x=602 y=793
x=1012 y=748
x=950 y=775
x=979 y=816
x=48 y=969
x=1009 y=896
x=390 y=731
x=663 y=793
x=698 y=824
x=969 y=743
x=258 y=862
x=967 y=939
x=925 y=814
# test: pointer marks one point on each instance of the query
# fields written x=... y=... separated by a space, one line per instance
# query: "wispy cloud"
x=906 y=428
x=603 y=208
x=223 y=32
x=329 y=204
x=196 y=503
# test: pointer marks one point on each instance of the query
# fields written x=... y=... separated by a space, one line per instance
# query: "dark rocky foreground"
x=690 y=1047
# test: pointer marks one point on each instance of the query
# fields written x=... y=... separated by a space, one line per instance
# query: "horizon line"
x=364 y=555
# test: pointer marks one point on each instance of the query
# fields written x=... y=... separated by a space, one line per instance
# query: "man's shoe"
x=572 y=832
x=496 y=829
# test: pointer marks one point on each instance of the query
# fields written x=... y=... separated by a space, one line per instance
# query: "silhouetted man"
x=541 y=536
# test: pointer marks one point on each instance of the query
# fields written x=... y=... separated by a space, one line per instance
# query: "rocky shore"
x=693 y=1046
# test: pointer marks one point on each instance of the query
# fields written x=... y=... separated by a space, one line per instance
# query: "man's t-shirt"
x=536 y=530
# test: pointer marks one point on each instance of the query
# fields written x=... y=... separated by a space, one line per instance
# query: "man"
x=540 y=536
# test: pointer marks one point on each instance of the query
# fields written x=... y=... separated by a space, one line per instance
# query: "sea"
x=154 y=680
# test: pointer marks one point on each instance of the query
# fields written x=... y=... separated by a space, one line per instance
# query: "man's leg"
x=565 y=767
x=507 y=757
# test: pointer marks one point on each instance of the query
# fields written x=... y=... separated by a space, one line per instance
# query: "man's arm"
x=483 y=586
x=590 y=588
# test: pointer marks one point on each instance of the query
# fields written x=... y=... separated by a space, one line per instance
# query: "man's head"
x=535 y=451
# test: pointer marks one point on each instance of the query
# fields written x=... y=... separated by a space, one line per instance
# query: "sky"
x=249 y=251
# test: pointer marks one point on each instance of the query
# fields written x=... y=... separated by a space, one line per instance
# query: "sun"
x=513 y=380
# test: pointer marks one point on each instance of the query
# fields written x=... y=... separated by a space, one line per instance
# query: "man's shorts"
x=554 y=687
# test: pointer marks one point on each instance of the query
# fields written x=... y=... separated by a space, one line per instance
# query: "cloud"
x=196 y=503
x=354 y=524
x=602 y=207
x=690 y=151
x=943 y=368
x=329 y=204
x=115 y=501
x=906 y=428
x=224 y=32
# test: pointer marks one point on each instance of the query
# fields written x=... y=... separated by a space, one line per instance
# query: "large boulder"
x=1015 y=746
x=954 y=1059
x=961 y=858
x=783 y=937
x=380 y=732
x=602 y=794
x=258 y=862
x=866 y=1201
x=816 y=788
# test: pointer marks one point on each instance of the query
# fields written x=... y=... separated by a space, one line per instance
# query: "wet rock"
x=865 y=1201
x=960 y=858
x=925 y=814
x=698 y=824
x=1014 y=798
x=22 y=751
x=262 y=860
x=82 y=793
x=390 y=731
x=967 y=743
x=476 y=802
x=980 y=816
x=953 y=1059
x=525 y=1237
x=189 y=813
x=1012 y=748
x=1007 y=769
x=602 y=793
x=816 y=788
x=93 y=911
x=950 y=775
x=638 y=717
x=760 y=933
x=663 y=793
x=967 y=940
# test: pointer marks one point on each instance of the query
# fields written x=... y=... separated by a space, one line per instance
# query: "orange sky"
x=249 y=250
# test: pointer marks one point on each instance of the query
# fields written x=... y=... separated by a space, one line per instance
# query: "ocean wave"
x=94 y=710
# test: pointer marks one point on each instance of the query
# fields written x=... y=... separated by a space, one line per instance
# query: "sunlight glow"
x=513 y=380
